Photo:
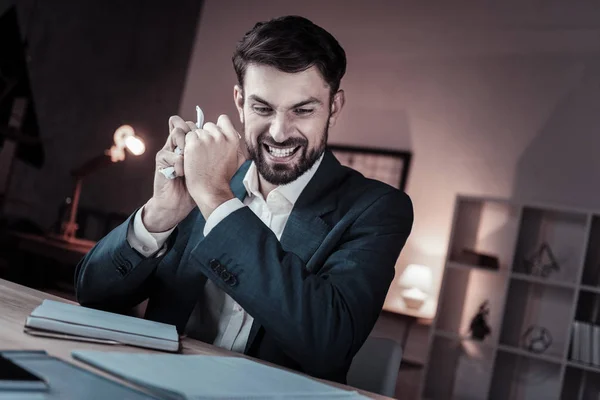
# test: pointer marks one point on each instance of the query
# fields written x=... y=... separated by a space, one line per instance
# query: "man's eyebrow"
x=310 y=100
x=259 y=100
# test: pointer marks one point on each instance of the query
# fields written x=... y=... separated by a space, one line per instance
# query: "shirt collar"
x=291 y=191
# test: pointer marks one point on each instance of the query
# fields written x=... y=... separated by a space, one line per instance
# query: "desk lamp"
x=124 y=138
x=416 y=281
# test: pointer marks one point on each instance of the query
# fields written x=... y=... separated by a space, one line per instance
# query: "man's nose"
x=280 y=127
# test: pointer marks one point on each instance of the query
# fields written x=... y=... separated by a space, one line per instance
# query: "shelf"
x=551 y=237
x=464 y=290
x=484 y=227
x=588 y=307
x=451 y=335
x=529 y=304
x=547 y=276
x=524 y=353
x=593 y=289
x=591 y=270
x=542 y=281
x=580 y=384
x=461 y=369
x=518 y=376
x=587 y=367
x=468 y=267
x=463 y=338
x=585 y=329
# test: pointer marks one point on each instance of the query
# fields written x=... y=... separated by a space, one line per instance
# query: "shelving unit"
x=537 y=266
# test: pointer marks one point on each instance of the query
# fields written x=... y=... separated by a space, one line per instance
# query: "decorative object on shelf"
x=473 y=257
x=388 y=166
x=537 y=339
x=542 y=262
x=416 y=281
x=124 y=138
x=479 y=327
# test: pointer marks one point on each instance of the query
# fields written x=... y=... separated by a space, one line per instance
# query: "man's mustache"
x=289 y=142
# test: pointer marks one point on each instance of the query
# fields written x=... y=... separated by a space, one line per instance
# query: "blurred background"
x=492 y=99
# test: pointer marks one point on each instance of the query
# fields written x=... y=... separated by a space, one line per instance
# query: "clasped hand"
x=210 y=159
x=211 y=156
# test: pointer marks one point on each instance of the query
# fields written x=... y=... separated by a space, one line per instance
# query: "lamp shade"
x=417 y=276
x=125 y=138
x=135 y=145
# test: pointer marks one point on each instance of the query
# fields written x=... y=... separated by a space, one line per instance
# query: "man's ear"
x=238 y=99
x=336 y=107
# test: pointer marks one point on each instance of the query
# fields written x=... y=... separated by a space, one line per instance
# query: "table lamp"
x=124 y=138
x=416 y=281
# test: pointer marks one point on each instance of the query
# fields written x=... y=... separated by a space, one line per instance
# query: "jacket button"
x=214 y=264
x=122 y=269
x=225 y=275
x=232 y=281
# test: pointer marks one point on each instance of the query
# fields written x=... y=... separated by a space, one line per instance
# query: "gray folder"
x=210 y=377
x=67 y=381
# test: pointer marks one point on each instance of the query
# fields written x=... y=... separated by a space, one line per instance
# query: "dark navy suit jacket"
x=315 y=295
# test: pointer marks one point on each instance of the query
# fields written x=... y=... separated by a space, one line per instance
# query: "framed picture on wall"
x=388 y=166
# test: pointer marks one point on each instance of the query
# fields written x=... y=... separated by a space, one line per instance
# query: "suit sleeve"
x=320 y=319
x=112 y=275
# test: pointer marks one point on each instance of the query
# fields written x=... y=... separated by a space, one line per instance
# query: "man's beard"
x=281 y=173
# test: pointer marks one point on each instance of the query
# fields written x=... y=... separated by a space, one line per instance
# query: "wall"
x=499 y=101
x=93 y=66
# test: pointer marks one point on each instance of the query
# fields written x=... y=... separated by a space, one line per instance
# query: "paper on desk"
x=210 y=377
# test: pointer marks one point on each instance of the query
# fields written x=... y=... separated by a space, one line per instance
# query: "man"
x=287 y=258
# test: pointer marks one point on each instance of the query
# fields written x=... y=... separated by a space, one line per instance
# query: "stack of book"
x=585 y=343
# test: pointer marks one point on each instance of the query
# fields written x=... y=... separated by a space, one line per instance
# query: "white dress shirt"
x=217 y=318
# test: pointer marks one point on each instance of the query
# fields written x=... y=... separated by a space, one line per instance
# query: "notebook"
x=62 y=320
x=177 y=376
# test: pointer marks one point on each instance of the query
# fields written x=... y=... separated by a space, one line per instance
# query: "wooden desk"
x=17 y=302
x=69 y=253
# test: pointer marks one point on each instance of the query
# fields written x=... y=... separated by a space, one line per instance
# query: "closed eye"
x=303 y=111
x=260 y=110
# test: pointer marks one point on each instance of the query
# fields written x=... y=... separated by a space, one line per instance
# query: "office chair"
x=375 y=367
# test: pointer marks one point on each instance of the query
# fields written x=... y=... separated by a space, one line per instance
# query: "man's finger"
x=177 y=122
x=226 y=126
x=165 y=158
x=214 y=131
x=191 y=138
x=176 y=139
x=191 y=124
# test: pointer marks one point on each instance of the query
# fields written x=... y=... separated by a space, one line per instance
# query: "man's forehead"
x=273 y=85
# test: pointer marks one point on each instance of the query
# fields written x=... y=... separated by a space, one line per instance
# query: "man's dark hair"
x=291 y=44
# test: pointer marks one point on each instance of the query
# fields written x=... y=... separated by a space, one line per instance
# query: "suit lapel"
x=305 y=229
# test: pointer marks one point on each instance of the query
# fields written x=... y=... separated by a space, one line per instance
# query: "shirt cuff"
x=220 y=213
x=144 y=242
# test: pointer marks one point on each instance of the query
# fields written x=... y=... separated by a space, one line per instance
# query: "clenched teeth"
x=281 y=152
